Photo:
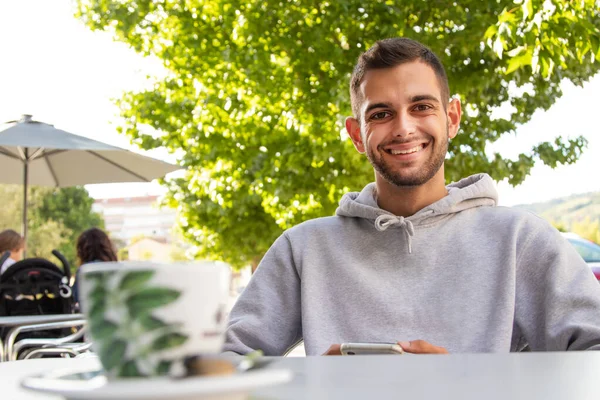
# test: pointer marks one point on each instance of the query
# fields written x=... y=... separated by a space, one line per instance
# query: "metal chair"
x=9 y=354
x=37 y=353
x=72 y=349
x=7 y=323
x=46 y=343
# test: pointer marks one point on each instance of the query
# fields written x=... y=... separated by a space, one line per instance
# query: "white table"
x=481 y=376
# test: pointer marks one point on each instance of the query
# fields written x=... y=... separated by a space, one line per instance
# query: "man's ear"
x=454 y=113
x=353 y=129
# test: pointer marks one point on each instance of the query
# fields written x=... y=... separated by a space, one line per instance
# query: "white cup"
x=145 y=318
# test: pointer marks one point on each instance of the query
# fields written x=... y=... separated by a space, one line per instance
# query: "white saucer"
x=84 y=384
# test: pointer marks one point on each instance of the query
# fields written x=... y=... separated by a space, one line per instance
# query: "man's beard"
x=400 y=179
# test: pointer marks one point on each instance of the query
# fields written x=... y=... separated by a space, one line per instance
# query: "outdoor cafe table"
x=574 y=375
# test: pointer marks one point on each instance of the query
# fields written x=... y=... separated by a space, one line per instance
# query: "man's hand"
x=413 y=347
x=421 y=347
x=333 y=350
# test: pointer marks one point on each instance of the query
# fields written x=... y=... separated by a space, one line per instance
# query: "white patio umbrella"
x=35 y=153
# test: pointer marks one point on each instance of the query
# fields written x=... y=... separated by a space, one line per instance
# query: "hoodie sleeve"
x=267 y=315
x=558 y=297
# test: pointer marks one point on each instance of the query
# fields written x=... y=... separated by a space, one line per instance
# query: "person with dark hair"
x=434 y=268
x=14 y=243
x=93 y=245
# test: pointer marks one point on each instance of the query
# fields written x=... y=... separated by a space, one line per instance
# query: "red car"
x=589 y=251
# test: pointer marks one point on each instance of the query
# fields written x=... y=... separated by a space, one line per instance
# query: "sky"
x=53 y=67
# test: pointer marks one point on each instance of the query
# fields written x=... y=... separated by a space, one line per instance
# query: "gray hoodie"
x=461 y=273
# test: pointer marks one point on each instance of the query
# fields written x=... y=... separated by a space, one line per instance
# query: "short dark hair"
x=10 y=240
x=94 y=245
x=389 y=53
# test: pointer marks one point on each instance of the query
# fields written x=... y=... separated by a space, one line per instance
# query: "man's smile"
x=406 y=150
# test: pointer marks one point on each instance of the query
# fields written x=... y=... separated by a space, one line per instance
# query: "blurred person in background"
x=93 y=245
x=13 y=242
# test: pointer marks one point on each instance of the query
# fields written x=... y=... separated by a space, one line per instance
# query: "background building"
x=133 y=217
x=141 y=229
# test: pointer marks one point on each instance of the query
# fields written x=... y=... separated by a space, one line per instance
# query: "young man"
x=436 y=268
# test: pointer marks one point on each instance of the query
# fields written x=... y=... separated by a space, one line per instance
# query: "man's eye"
x=422 y=107
x=380 y=115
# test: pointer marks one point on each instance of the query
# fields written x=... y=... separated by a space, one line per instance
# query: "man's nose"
x=404 y=125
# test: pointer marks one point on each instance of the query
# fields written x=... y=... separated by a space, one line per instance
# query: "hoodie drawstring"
x=384 y=221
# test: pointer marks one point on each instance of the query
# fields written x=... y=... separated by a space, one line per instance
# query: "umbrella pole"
x=25 y=183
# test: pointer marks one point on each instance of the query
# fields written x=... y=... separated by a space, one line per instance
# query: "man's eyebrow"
x=413 y=99
x=421 y=97
x=377 y=105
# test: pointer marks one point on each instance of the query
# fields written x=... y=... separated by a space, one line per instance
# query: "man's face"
x=404 y=127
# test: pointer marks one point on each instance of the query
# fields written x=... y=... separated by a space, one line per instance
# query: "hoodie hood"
x=475 y=191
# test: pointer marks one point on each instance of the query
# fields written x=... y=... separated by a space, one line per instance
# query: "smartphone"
x=351 y=349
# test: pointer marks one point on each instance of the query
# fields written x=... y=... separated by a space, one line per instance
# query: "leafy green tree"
x=123 y=254
x=179 y=249
x=257 y=92
x=11 y=200
x=44 y=235
x=47 y=236
x=72 y=207
x=559 y=225
x=56 y=217
x=587 y=228
x=178 y=253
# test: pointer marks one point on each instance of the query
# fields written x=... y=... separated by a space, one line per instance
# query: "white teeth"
x=413 y=150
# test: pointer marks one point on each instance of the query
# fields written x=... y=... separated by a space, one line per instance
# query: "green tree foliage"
x=560 y=226
x=587 y=228
x=178 y=253
x=56 y=217
x=579 y=213
x=257 y=92
x=123 y=254
x=43 y=235
x=11 y=200
x=47 y=236
x=72 y=207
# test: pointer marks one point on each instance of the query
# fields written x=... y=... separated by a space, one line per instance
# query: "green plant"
x=130 y=340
